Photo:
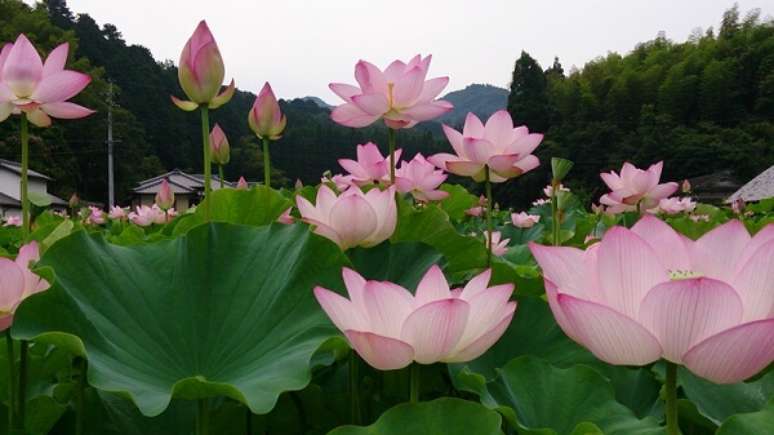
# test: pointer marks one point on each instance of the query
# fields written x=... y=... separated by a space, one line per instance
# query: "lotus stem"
x=11 y=381
x=415 y=383
x=25 y=161
x=354 y=388
x=80 y=411
x=489 y=226
x=207 y=164
x=248 y=421
x=266 y=163
x=203 y=418
x=556 y=225
x=220 y=174
x=672 y=424
x=391 y=150
x=22 y=402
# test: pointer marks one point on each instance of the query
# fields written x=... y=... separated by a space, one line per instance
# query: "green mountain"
x=481 y=99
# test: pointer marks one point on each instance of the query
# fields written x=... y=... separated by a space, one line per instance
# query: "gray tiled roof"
x=760 y=187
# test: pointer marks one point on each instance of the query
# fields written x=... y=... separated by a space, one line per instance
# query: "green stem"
x=266 y=163
x=489 y=226
x=80 y=411
x=22 y=402
x=415 y=382
x=25 y=200
x=207 y=163
x=220 y=174
x=354 y=388
x=391 y=150
x=248 y=421
x=11 y=381
x=672 y=426
x=203 y=418
x=556 y=224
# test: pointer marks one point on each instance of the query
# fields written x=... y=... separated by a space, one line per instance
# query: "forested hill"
x=702 y=105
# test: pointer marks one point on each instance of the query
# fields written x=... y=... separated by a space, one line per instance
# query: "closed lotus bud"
x=299 y=185
x=738 y=206
x=265 y=118
x=686 y=187
x=165 y=198
x=220 y=151
x=74 y=201
x=201 y=72
x=242 y=184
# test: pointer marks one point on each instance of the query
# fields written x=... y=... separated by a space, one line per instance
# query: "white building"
x=188 y=188
x=10 y=188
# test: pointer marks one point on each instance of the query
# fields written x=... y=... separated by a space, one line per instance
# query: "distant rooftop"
x=760 y=187
x=16 y=167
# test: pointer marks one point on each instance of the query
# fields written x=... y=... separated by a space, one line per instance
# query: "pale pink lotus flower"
x=13 y=221
x=737 y=206
x=649 y=293
x=674 y=205
x=146 y=216
x=242 y=184
x=265 y=117
x=699 y=218
x=541 y=202
x=420 y=178
x=548 y=191
x=686 y=186
x=39 y=89
x=400 y=95
x=220 y=151
x=370 y=167
x=201 y=72
x=170 y=214
x=635 y=187
x=389 y=327
x=506 y=150
x=117 y=213
x=478 y=210
x=285 y=217
x=339 y=181
x=598 y=209
x=96 y=216
x=524 y=220
x=165 y=197
x=17 y=282
x=499 y=247
x=353 y=218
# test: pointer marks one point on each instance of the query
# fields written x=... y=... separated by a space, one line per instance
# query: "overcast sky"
x=301 y=46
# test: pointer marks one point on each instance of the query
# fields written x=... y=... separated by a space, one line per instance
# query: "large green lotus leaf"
x=445 y=416
x=402 y=263
x=431 y=225
x=754 y=423
x=539 y=398
x=224 y=310
x=719 y=402
x=257 y=206
x=458 y=201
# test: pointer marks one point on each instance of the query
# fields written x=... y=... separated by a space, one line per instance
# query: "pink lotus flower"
x=400 y=95
x=117 y=213
x=339 y=181
x=242 y=184
x=96 y=216
x=478 y=210
x=541 y=202
x=145 y=216
x=38 y=89
x=13 y=221
x=265 y=118
x=524 y=220
x=370 y=167
x=635 y=186
x=389 y=327
x=165 y=197
x=650 y=293
x=286 y=218
x=548 y=191
x=506 y=150
x=220 y=151
x=699 y=218
x=675 y=205
x=353 y=218
x=17 y=282
x=737 y=206
x=499 y=247
x=420 y=178
x=201 y=72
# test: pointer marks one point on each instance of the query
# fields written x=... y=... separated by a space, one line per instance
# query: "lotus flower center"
x=676 y=275
x=390 y=86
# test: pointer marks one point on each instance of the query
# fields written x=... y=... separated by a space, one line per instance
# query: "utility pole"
x=111 y=183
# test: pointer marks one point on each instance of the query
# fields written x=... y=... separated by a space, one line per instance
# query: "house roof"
x=760 y=187
x=714 y=187
x=180 y=181
x=9 y=201
x=16 y=167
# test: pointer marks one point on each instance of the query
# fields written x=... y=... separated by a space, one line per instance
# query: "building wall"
x=182 y=201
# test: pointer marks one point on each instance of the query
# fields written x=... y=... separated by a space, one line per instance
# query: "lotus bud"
x=738 y=206
x=686 y=187
x=220 y=151
x=165 y=198
x=201 y=72
x=74 y=201
x=265 y=118
x=299 y=184
x=242 y=184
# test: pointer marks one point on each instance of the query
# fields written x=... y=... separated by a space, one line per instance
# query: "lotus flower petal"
x=383 y=353
x=435 y=328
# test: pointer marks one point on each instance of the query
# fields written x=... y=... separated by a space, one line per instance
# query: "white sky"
x=301 y=46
